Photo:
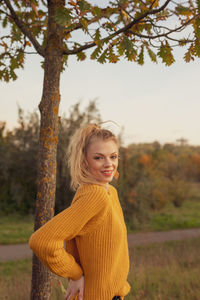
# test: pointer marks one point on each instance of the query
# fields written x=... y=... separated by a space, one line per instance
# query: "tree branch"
x=93 y=20
x=5 y=13
x=167 y=33
x=124 y=29
x=24 y=29
x=147 y=13
x=158 y=36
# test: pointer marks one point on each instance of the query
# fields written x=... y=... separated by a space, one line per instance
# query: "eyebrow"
x=103 y=154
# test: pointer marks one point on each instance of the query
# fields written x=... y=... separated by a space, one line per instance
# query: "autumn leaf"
x=85 y=24
x=165 y=53
x=141 y=56
x=183 y=10
x=81 y=56
x=152 y=55
x=34 y=7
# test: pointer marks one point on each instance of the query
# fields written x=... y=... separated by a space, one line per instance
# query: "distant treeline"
x=151 y=175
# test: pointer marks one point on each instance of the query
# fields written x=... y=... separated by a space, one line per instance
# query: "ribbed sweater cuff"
x=76 y=271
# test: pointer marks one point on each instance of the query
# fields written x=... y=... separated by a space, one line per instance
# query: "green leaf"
x=130 y=51
x=165 y=53
x=182 y=42
x=6 y=76
x=13 y=75
x=109 y=26
x=97 y=35
x=20 y=57
x=141 y=56
x=188 y=57
x=102 y=58
x=13 y=63
x=183 y=10
x=112 y=57
x=198 y=5
x=85 y=24
x=97 y=11
x=197 y=28
x=121 y=48
x=152 y=55
x=162 y=15
x=84 y=5
x=5 y=22
x=81 y=56
x=63 y=16
x=96 y=52
x=65 y=59
x=197 y=47
x=16 y=34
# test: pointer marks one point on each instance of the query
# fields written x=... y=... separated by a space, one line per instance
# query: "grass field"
x=168 y=271
x=170 y=217
x=15 y=229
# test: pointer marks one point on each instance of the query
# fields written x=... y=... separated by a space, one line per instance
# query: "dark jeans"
x=116 y=298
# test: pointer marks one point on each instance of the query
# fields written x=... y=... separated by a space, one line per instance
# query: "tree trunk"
x=49 y=126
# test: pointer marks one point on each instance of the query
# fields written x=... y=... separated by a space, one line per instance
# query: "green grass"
x=170 y=217
x=15 y=229
x=15 y=267
x=168 y=271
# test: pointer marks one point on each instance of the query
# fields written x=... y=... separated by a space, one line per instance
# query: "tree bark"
x=49 y=127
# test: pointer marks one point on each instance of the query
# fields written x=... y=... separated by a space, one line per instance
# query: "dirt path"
x=12 y=252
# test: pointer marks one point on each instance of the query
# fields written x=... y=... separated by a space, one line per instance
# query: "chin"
x=108 y=180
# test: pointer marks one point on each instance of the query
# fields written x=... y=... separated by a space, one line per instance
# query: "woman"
x=96 y=259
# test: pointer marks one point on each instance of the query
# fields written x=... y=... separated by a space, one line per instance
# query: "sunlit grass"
x=15 y=229
x=170 y=217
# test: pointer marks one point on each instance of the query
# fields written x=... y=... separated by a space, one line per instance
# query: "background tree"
x=18 y=164
x=120 y=28
x=18 y=159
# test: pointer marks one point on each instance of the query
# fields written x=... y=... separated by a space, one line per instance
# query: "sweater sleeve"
x=48 y=241
x=71 y=248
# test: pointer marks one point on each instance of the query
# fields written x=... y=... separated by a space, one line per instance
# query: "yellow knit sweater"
x=95 y=235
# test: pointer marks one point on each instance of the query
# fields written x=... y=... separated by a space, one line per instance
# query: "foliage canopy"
x=112 y=29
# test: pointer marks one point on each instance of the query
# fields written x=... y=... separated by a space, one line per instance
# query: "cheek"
x=96 y=165
x=93 y=165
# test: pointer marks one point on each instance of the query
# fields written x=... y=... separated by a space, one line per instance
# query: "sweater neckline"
x=107 y=189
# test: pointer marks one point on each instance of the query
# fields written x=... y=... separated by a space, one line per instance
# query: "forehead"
x=102 y=146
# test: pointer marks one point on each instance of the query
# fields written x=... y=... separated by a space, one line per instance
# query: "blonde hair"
x=77 y=152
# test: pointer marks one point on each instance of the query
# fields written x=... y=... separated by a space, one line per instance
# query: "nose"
x=107 y=163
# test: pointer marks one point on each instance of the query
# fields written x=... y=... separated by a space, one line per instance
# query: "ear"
x=116 y=176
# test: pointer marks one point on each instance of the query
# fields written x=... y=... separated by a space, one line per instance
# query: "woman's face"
x=102 y=159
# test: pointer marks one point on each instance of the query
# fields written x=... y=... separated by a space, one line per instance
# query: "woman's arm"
x=48 y=241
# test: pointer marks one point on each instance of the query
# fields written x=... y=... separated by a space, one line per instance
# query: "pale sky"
x=152 y=102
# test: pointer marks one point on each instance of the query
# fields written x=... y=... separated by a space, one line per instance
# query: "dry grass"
x=168 y=271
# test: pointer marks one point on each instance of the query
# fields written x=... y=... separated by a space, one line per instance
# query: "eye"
x=97 y=157
x=114 y=157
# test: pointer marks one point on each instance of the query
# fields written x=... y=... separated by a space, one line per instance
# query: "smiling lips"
x=107 y=173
